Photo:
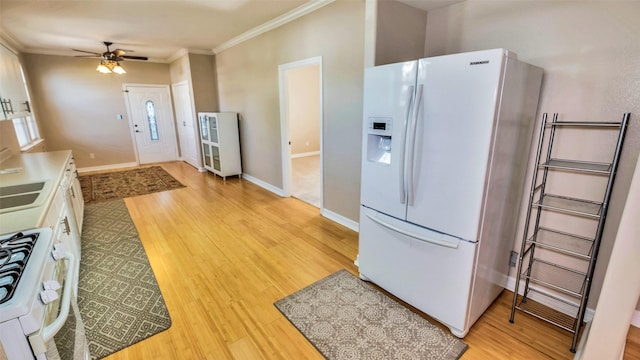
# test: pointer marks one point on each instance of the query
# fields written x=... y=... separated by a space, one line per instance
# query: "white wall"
x=590 y=51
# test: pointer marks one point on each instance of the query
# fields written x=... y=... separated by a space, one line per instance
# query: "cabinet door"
x=215 y=152
x=213 y=129
x=204 y=127
x=206 y=154
x=78 y=203
x=12 y=90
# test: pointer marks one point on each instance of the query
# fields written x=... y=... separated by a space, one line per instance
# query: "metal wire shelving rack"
x=556 y=265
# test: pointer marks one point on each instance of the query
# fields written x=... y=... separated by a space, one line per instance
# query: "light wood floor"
x=224 y=252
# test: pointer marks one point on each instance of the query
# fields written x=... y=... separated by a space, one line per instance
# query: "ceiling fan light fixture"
x=109 y=66
x=103 y=67
x=118 y=69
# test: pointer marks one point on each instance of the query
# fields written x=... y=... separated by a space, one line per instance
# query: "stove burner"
x=14 y=254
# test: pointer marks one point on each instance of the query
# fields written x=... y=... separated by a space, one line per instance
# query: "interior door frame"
x=284 y=123
x=125 y=92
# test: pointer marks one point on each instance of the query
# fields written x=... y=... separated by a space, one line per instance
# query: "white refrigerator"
x=445 y=149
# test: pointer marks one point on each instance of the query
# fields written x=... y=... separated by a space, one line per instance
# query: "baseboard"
x=263 y=184
x=299 y=155
x=551 y=303
x=635 y=319
x=324 y=212
x=340 y=219
x=107 y=167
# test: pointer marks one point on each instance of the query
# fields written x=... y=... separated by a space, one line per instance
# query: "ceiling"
x=159 y=29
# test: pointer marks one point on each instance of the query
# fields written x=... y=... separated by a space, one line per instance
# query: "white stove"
x=35 y=297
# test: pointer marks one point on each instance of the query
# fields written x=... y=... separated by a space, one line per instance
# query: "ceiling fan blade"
x=89 y=56
x=119 y=52
x=88 y=52
x=135 y=57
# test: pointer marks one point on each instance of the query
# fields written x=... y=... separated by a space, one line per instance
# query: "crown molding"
x=10 y=43
x=300 y=11
x=177 y=55
x=182 y=52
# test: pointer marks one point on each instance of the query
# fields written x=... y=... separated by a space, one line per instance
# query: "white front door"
x=185 y=120
x=151 y=118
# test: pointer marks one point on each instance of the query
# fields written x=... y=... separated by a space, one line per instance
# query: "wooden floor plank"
x=223 y=252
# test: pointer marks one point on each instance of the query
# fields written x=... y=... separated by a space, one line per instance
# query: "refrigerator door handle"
x=403 y=183
x=430 y=240
x=411 y=145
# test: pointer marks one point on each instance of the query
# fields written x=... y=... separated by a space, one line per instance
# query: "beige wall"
x=304 y=108
x=204 y=82
x=77 y=107
x=590 y=52
x=248 y=84
x=180 y=70
x=8 y=138
x=400 y=32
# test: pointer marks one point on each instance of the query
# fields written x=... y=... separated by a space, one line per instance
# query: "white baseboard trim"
x=107 y=167
x=635 y=319
x=305 y=154
x=263 y=184
x=340 y=219
x=553 y=304
x=324 y=212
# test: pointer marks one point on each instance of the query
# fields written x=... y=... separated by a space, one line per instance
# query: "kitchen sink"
x=19 y=197
x=8 y=202
x=20 y=189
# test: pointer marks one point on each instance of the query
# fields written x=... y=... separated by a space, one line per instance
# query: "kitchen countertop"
x=35 y=167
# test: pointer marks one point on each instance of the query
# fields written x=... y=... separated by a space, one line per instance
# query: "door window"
x=151 y=119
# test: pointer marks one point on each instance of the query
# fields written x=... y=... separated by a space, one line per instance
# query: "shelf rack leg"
x=528 y=218
x=598 y=237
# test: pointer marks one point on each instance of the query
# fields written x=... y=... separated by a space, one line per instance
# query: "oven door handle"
x=50 y=330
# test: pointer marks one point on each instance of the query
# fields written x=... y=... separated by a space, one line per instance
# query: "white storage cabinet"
x=13 y=95
x=220 y=142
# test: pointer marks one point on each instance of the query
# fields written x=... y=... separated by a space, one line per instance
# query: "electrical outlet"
x=92 y=156
x=513 y=260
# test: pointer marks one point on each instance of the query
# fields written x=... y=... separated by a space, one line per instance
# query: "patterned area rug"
x=345 y=318
x=118 y=296
x=122 y=184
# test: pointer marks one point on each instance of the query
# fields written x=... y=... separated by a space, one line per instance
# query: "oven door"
x=62 y=334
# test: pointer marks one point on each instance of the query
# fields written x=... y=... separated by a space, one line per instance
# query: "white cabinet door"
x=12 y=90
x=187 y=132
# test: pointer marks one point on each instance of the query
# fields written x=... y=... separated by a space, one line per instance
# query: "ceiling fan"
x=110 y=60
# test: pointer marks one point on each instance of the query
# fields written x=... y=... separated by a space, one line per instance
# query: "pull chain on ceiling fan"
x=110 y=60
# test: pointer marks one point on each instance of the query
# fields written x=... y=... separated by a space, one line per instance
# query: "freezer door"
x=453 y=138
x=388 y=97
x=431 y=271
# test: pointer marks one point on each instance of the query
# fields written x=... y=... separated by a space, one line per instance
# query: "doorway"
x=151 y=122
x=185 y=119
x=301 y=124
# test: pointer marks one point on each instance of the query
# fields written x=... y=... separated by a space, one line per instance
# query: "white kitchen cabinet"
x=220 y=143
x=73 y=195
x=13 y=94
